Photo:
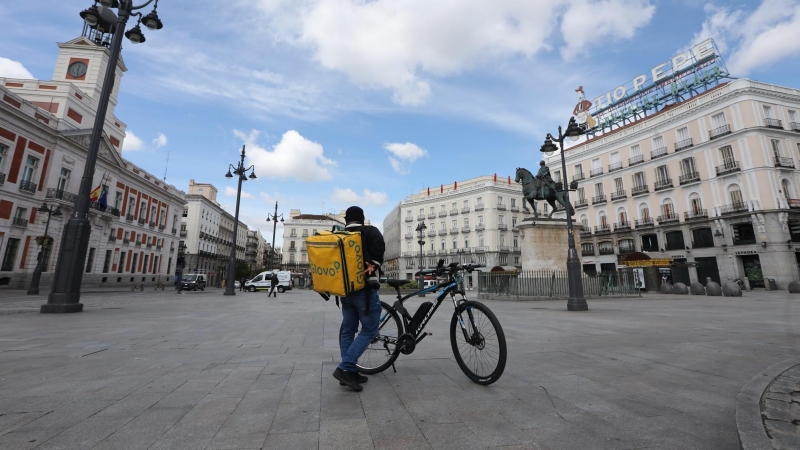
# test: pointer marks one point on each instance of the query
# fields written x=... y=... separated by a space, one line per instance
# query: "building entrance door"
x=680 y=272
x=752 y=270
x=707 y=268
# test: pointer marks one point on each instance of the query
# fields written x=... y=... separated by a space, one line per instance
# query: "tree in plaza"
x=242 y=270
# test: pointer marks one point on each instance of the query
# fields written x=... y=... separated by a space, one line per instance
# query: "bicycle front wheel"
x=479 y=343
x=381 y=351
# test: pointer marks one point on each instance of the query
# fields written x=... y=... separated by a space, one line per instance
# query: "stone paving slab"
x=201 y=370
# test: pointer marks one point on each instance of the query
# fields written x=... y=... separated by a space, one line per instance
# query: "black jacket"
x=372 y=241
x=273 y=280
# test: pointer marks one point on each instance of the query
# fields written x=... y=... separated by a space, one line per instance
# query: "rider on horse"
x=545 y=179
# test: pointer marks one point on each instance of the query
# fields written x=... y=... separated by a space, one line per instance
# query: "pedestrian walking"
x=180 y=286
x=273 y=283
x=363 y=306
x=241 y=284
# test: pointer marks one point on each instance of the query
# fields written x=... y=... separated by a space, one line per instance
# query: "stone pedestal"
x=545 y=243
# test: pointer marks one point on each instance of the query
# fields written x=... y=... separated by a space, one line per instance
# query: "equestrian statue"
x=542 y=187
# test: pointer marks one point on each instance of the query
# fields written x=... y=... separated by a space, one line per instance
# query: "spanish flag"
x=95 y=195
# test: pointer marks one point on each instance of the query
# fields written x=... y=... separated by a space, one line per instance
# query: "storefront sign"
x=649 y=263
x=747 y=252
x=794 y=203
x=685 y=75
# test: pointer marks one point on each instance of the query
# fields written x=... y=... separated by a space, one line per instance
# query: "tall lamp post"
x=576 y=301
x=40 y=259
x=100 y=19
x=421 y=230
x=241 y=171
x=274 y=219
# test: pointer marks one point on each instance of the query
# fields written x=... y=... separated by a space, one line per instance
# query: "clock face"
x=77 y=69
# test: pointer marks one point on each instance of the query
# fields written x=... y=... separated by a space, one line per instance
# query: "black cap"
x=354 y=214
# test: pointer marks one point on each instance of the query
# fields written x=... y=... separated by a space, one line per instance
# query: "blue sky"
x=346 y=102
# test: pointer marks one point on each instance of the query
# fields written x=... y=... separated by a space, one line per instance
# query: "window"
x=727 y=156
x=598 y=189
x=644 y=213
x=650 y=243
x=581 y=195
x=603 y=220
x=480 y=240
x=455 y=224
x=514 y=221
x=516 y=241
x=662 y=174
x=466 y=242
x=455 y=244
x=293 y=233
x=466 y=203
x=578 y=171
x=480 y=200
x=687 y=166
x=667 y=210
x=443 y=244
x=133 y=262
x=292 y=245
x=480 y=220
x=639 y=180
x=623 y=216
x=596 y=164
x=513 y=203
x=636 y=152
x=3 y=150
x=702 y=238
x=443 y=226
x=30 y=168
x=142 y=210
x=743 y=233
x=658 y=143
x=500 y=220
x=776 y=147
x=144 y=264
x=718 y=121
x=615 y=160
x=768 y=112
x=585 y=221
x=117 y=200
x=792 y=116
x=587 y=248
x=442 y=209
x=466 y=221
x=557 y=176
x=785 y=189
x=153 y=214
x=433 y=210
x=10 y=255
x=674 y=240
x=695 y=203
x=121 y=262
x=20 y=213
x=63 y=180
x=736 y=196
x=618 y=187
x=683 y=134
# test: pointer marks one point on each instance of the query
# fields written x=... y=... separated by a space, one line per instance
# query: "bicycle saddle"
x=396 y=283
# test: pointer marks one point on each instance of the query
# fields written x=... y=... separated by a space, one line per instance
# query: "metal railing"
x=58 y=194
x=502 y=226
x=112 y=238
x=454 y=211
x=465 y=229
x=479 y=207
x=431 y=233
x=618 y=195
x=465 y=210
x=658 y=153
x=625 y=249
x=598 y=199
x=514 y=209
x=615 y=166
x=480 y=227
x=129 y=217
x=689 y=178
x=622 y=226
x=794 y=126
x=516 y=249
x=668 y=218
x=174 y=230
x=728 y=167
x=421 y=217
x=581 y=202
x=152 y=224
x=695 y=215
x=27 y=186
x=503 y=248
x=431 y=215
x=719 y=131
x=409 y=235
x=443 y=232
x=483 y=249
x=782 y=161
x=554 y=284
x=683 y=145
x=19 y=222
x=599 y=229
x=2 y=178
x=409 y=219
x=634 y=160
x=606 y=250
x=454 y=230
x=578 y=177
x=442 y=213
x=586 y=252
x=773 y=123
x=126 y=241
x=501 y=207
x=642 y=223
x=596 y=172
x=640 y=190
x=141 y=221
x=733 y=208
x=660 y=185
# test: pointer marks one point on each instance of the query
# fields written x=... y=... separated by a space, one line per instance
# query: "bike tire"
x=377 y=358
x=484 y=362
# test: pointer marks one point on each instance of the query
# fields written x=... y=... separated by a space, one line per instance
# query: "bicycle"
x=479 y=349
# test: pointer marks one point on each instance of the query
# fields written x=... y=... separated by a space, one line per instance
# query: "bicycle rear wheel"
x=479 y=348
x=381 y=351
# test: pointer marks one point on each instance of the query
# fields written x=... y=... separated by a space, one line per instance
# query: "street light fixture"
x=66 y=291
x=576 y=301
x=241 y=171
x=43 y=252
x=274 y=219
x=421 y=230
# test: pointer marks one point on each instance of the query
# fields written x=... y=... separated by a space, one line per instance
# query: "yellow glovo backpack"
x=336 y=262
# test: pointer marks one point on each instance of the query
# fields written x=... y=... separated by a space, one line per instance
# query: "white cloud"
x=349 y=197
x=755 y=39
x=13 y=69
x=160 y=141
x=399 y=45
x=407 y=152
x=293 y=157
x=231 y=192
x=131 y=143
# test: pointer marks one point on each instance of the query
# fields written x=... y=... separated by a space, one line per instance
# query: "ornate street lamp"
x=241 y=171
x=421 y=230
x=576 y=301
x=274 y=219
x=66 y=291
x=47 y=241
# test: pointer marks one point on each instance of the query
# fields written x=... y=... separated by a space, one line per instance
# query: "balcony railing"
x=516 y=249
x=578 y=177
x=149 y=245
x=598 y=199
x=634 y=160
x=640 y=190
x=409 y=219
x=465 y=229
x=137 y=244
x=2 y=178
x=112 y=238
x=502 y=226
x=443 y=232
x=773 y=123
x=442 y=213
x=27 y=186
x=700 y=214
x=19 y=222
x=129 y=217
x=481 y=249
x=599 y=229
x=128 y=241
x=733 y=208
x=480 y=227
x=683 y=145
x=431 y=233
x=658 y=153
x=586 y=230
x=58 y=194
x=409 y=235
x=431 y=215
x=782 y=161
x=660 y=185
x=622 y=226
x=454 y=230
x=615 y=166
x=720 y=131
x=581 y=203
x=727 y=168
x=421 y=217
x=619 y=195
x=668 y=218
x=479 y=207
x=174 y=230
x=465 y=210
x=161 y=227
x=596 y=172
x=501 y=207
x=141 y=221
x=691 y=177
x=606 y=250
x=625 y=249
x=514 y=208
x=152 y=225
x=587 y=252
x=503 y=248
x=793 y=125
x=454 y=212
x=643 y=223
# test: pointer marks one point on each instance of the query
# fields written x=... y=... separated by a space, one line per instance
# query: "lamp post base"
x=229 y=293
x=61 y=308
x=577 y=304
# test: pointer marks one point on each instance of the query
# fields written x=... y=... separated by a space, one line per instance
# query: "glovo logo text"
x=326 y=271
x=359 y=261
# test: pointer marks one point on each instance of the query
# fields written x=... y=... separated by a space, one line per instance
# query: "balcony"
x=112 y=238
x=503 y=248
x=27 y=186
x=598 y=199
x=409 y=235
x=431 y=215
x=430 y=252
x=479 y=207
x=19 y=222
x=481 y=249
x=172 y=250
x=794 y=126
x=601 y=229
x=644 y=223
x=453 y=230
x=626 y=249
x=728 y=168
x=442 y=213
x=668 y=218
x=501 y=207
x=634 y=160
x=161 y=227
x=683 y=145
x=773 y=123
x=622 y=226
x=514 y=208
x=586 y=231
x=719 y=132
x=129 y=217
x=152 y=225
x=409 y=219
x=596 y=172
x=700 y=214
x=578 y=177
x=2 y=178
x=587 y=251
x=640 y=190
x=734 y=208
x=660 y=185
x=126 y=241
x=619 y=195
x=658 y=153
x=581 y=203
x=141 y=221
x=183 y=233
x=454 y=211
x=149 y=245
x=63 y=196
x=421 y=217
x=431 y=233
x=606 y=250
x=480 y=227
x=502 y=227
x=465 y=210
x=443 y=232
x=615 y=166
x=465 y=229
x=174 y=230
x=782 y=161
x=688 y=178
x=516 y=249
x=137 y=244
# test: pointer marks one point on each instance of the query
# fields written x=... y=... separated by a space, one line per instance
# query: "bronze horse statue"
x=534 y=188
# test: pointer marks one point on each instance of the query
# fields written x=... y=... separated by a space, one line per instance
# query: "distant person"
x=273 y=283
x=241 y=284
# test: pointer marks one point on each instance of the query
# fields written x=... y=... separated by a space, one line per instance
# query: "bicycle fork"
x=473 y=338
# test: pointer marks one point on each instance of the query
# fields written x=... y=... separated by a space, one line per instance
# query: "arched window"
x=667 y=209
x=735 y=194
x=291 y=257
x=622 y=214
x=695 y=203
x=584 y=221
x=787 y=193
x=602 y=220
x=644 y=212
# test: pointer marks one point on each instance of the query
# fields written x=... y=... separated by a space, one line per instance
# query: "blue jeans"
x=354 y=311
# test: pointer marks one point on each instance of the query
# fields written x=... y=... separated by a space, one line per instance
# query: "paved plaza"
x=204 y=371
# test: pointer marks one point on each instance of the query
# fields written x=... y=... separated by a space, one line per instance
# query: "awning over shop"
x=639 y=259
x=504 y=270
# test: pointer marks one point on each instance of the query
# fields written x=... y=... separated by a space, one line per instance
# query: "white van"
x=261 y=281
x=193 y=282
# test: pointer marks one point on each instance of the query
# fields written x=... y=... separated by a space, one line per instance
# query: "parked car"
x=193 y=282
x=261 y=281
x=237 y=284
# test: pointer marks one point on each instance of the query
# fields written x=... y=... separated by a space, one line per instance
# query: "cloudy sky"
x=344 y=102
